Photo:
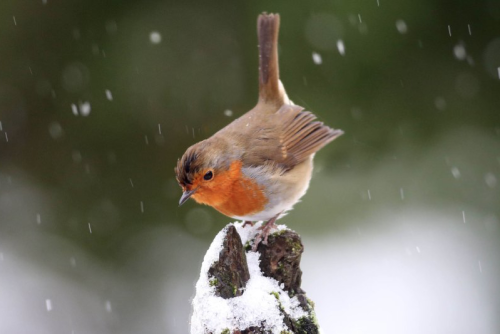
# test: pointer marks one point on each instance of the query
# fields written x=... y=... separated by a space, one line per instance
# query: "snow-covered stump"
x=244 y=292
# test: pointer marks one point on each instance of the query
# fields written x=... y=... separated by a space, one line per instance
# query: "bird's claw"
x=248 y=223
x=265 y=230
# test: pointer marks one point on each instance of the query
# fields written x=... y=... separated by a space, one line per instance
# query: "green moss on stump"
x=280 y=260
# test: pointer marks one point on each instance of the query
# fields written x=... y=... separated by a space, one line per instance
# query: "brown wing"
x=287 y=138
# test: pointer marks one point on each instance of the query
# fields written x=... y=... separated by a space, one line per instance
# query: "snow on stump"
x=244 y=292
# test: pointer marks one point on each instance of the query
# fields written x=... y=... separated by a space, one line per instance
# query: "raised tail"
x=269 y=85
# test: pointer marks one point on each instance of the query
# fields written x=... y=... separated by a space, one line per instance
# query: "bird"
x=259 y=166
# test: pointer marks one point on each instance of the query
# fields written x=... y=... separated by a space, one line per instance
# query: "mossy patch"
x=276 y=295
x=306 y=325
x=248 y=246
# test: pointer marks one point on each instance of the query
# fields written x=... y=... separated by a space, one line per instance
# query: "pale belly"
x=282 y=191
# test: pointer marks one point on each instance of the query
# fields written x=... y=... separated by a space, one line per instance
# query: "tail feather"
x=269 y=86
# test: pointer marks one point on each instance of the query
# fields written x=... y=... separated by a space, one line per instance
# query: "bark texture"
x=230 y=274
x=280 y=259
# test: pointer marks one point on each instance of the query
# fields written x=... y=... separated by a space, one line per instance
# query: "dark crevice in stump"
x=230 y=274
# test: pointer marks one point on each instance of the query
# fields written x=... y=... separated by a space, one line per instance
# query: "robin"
x=257 y=167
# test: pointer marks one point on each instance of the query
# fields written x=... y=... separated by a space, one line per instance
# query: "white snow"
x=341 y=47
x=108 y=306
x=155 y=37
x=109 y=95
x=257 y=304
x=85 y=108
x=490 y=179
x=456 y=172
x=317 y=58
x=401 y=26
x=55 y=130
x=459 y=52
x=48 y=305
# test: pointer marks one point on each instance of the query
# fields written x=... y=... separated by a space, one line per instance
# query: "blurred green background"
x=98 y=99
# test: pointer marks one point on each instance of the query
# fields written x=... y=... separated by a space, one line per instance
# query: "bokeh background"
x=98 y=99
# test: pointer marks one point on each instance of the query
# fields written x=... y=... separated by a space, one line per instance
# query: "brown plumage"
x=259 y=165
x=267 y=30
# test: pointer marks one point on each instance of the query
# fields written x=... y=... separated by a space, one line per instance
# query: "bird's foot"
x=247 y=222
x=265 y=230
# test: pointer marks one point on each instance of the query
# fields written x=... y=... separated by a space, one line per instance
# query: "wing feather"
x=287 y=138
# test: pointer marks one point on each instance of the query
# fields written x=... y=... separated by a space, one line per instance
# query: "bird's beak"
x=186 y=195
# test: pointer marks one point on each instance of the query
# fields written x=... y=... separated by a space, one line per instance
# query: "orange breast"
x=232 y=193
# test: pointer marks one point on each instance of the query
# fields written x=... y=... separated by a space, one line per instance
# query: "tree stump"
x=246 y=292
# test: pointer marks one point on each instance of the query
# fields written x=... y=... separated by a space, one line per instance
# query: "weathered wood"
x=230 y=274
x=280 y=260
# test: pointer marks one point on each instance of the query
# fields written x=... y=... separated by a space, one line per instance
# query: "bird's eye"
x=208 y=176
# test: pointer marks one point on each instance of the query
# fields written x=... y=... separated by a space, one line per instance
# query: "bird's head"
x=202 y=173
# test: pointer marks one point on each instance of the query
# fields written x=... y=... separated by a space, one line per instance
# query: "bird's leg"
x=264 y=233
x=247 y=222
